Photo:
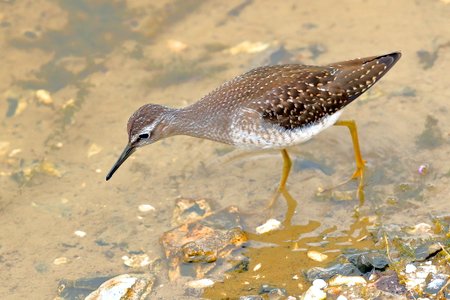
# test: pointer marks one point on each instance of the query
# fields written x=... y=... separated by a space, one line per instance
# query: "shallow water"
x=100 y=60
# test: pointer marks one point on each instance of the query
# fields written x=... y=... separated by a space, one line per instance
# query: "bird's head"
x=146 y=125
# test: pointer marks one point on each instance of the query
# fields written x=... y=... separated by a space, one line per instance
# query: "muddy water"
x=100 y=60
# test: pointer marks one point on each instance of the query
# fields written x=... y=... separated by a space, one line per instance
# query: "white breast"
x=265 y=136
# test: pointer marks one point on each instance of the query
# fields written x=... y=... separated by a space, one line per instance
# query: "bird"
x=269 y=107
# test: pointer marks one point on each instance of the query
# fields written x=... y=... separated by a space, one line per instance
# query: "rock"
x=251 y=297
x=326 y=273
x=44 y=97
x=427 y=250
x=80 y=233
x=80 y=288
x=189 y=210
x=367 y=261
x=203 y=241
x=257 y=267
x=319 y=283
x=346 y=280
x=314 y=293
x=60 y=260
x=136 y=261
x=435 y=282
x=200 y=283
x=389 y=282
x=145 y=208
x=270 y=225
x=272 y=292
x=94 y=149
x=316 y=255
x=247 y=47
x=124 y=287
x=410 y=268
x=176 y=46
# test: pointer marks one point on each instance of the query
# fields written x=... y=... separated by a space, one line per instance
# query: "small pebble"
x=436 y=284
x=14 y=152
x=314 y=293
x=44 y=97
x=136 y=261
x=201 y=283
x=80 y=233
x=257 y=267
x=60 y=261
x=347 y=280
x=145 y=208
x=176 y=46
x=319 y=283
x=4 y=147
x=424 y=169
x=316 y=256
x=248 y=47
x=93 y=150
x=270 y=225
x=410 y=268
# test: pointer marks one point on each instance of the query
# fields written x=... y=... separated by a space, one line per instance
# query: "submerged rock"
x=346 y=269
x=315 y=291
x=435 y=283
x=389 y=282
x=251 y=297
x=124 y=287
x=203 y=241
x=368 y=261
x=190 y=210
x=272 y=291
x=427 y=250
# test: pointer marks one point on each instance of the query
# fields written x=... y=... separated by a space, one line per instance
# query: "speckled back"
x=284 y=98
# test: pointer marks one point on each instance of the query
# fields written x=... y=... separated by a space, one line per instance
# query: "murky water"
x=100 y=60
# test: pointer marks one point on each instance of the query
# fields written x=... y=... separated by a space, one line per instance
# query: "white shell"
x=126 y=286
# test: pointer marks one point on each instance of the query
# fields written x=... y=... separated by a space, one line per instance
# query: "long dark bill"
x=125 y=154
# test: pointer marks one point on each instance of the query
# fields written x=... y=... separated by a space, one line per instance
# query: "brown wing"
x=313 y=93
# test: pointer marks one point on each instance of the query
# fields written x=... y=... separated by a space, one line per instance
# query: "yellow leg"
x=359 y=172
x=287 y=163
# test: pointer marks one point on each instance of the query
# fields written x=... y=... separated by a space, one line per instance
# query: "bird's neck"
x=197 y=123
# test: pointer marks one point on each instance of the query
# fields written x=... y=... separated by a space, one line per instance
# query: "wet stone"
x=190 y=210
x=251 y=297
x=427 y=250
x=80 y=288
x=271 y=291
x=368 y=261
x=241 y=266
x=124 y=287
x=346 y=269
x=389 y=282
x=192 y=248
x=435 y=282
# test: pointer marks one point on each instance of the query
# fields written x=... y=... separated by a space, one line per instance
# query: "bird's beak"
x=125 y=154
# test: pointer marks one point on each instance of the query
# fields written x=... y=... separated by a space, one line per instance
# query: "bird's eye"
x=144 y=136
